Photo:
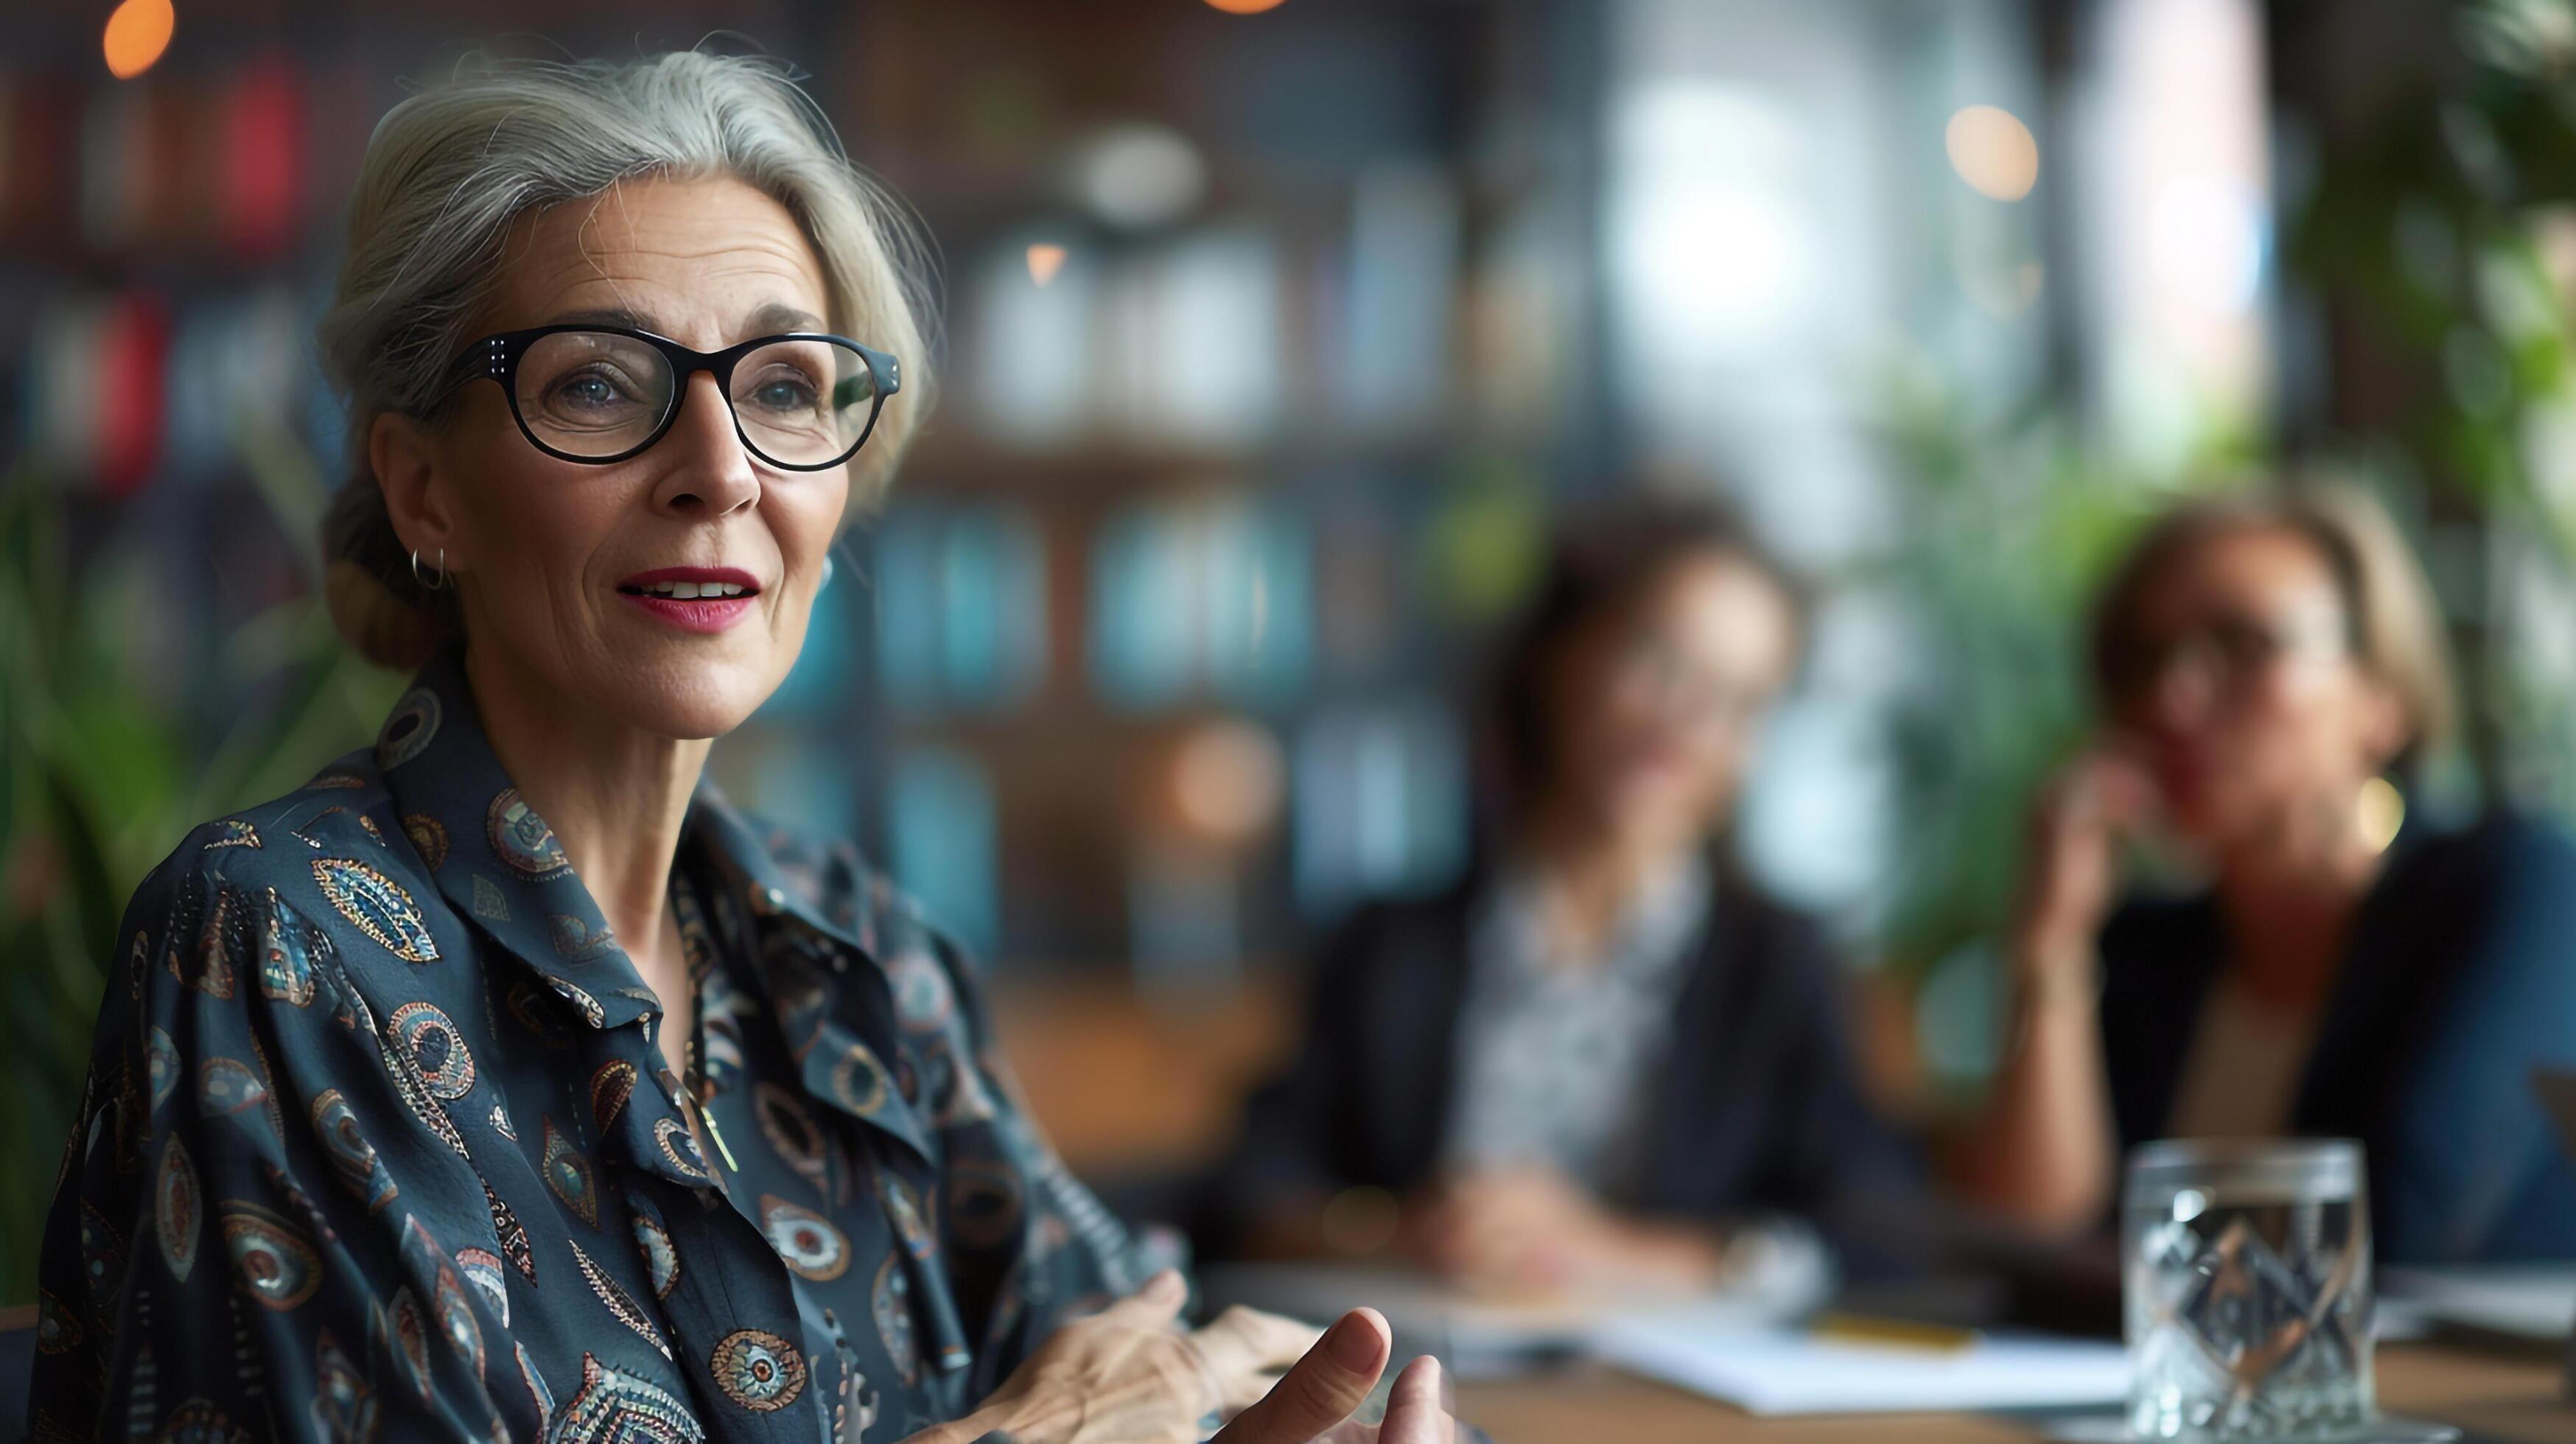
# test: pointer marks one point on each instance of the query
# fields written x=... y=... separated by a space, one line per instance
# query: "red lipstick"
x=693 y=599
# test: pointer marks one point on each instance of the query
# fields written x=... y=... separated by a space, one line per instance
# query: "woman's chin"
x=693 y=701
x=2203 y=828
x=1651 y=825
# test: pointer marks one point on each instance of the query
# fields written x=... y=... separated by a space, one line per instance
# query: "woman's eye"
x=786 y=393
x=589 y=390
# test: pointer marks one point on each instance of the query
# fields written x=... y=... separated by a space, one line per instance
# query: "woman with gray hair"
x=504 y=1082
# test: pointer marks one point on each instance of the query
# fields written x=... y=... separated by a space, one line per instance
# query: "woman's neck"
x=616 y=796
x=2288 y=906
x=1590 y=873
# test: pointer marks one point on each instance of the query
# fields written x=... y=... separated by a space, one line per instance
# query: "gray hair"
x=448 y=172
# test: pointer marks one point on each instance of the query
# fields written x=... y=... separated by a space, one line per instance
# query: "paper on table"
x=1475 y=1337
x=1774 y=1371
x=1497 y=1337
x=2533 y=1301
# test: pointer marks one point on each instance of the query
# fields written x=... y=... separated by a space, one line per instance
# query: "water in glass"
x=2248 y=1291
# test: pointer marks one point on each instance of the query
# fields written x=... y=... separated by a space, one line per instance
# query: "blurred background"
x=1274 y=332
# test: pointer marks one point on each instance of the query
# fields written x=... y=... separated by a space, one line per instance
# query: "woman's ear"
x=404 y=456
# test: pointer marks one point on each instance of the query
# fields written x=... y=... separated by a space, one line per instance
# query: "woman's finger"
x=1324 y=1387
x=1245 y=1349
x=1154 y=1306
x=2124 y=791
x=1419 y=1410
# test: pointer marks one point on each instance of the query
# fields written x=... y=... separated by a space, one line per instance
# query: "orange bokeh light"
x=1044 y=261
x=137 y=33
x=1245 y=7
x=1993 y=152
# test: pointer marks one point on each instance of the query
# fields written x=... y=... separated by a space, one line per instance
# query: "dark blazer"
x=1756 y=1108
x=2459 y=980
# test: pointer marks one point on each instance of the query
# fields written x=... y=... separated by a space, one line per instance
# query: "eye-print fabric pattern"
x=379 y=1144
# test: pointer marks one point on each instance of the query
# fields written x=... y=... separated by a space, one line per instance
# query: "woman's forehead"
x=707 y=262
x=2270 y=567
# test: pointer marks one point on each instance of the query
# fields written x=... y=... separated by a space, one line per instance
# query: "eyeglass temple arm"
x=883 y=366
x=487 y=357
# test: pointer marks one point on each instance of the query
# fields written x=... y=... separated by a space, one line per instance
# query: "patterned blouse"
x=378 y=1142
x=1557 y=1062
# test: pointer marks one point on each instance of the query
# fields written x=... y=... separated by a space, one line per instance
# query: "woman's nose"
x=2184 y=687
x=711 y=473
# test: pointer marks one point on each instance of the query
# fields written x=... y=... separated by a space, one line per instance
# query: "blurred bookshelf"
x=1166 y=614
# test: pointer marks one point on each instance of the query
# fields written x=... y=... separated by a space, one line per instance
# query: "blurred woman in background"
x=2271 y=671
x=1604 y=1051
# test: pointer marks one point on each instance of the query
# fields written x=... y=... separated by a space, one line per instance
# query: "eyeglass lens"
x=2226 y=648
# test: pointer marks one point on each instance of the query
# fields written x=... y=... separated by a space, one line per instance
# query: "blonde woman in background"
x=2271 y=672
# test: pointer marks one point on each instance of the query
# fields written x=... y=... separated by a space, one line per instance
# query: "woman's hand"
x=1129 y=1373
x=1533 y=1228
x=1314 y=1403
x=2072 y=867
x=2044 y=1153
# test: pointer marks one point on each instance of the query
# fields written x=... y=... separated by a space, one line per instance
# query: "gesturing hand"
x=1313 y=1404
x=1127 y=1374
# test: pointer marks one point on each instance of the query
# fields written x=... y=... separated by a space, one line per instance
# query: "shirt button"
x=777 y=897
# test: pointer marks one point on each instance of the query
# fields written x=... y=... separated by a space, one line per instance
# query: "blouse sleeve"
x=1067 y=1251
x=229 y=1253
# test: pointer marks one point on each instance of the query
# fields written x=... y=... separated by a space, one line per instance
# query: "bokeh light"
x=1245 y=7
x=1138 y=175
x=1044 y=261
x=1229 y=780
x=138 y=31
x=1993 y=152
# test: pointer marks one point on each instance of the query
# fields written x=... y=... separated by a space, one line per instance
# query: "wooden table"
x=2521 y=1400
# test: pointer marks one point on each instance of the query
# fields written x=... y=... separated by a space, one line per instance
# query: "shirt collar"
x=499 y=863
x=1649 y=940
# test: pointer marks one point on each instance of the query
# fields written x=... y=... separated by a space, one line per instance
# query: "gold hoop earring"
x=426 y=584
x=2380 y=812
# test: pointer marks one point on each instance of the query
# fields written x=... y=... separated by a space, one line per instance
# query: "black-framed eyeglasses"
x=802 y=401
x=2226 y=649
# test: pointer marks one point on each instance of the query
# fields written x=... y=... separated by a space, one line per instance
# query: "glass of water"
x=2248 y=1293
